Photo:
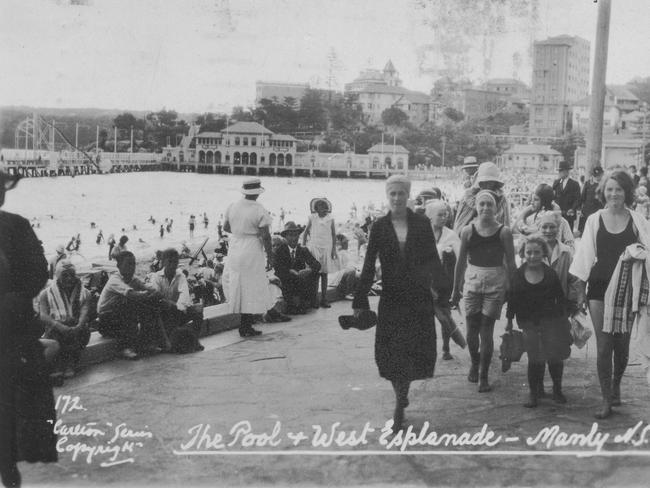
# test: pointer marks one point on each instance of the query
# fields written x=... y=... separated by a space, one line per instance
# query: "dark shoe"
x=558 y=396
x=283 y=318
x=447 y=356
x=199 y=347
x=11 y=477
x=324 y=304
x=249 y=332
x=532 y=401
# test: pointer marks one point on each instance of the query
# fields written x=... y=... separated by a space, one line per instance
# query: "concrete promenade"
x=169 y=411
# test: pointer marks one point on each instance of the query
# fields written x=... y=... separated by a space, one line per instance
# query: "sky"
x=206 y=55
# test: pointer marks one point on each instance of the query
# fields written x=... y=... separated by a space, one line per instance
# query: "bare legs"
x=401 y=388
x=323 y=291
x=611 y=348
x=480 y=343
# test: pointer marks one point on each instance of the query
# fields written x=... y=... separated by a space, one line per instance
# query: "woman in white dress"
x=244 y=276
x=320 y=239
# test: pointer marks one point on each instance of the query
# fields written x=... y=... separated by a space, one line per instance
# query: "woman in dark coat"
x=26 y=401
x=405 y=341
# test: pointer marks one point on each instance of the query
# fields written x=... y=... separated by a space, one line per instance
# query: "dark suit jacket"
x=409 y=279
x=568 y=198
x=283 y=262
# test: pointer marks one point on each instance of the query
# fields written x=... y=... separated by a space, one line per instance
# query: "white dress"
x=320 y=242
x=245 y=283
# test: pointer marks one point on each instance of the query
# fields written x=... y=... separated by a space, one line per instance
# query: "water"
x=65 y=206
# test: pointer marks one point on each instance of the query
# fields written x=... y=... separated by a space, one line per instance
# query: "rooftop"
x=247 y=128
x=622 y=92
x=531 y=149
x=387 y=149
x=586 y=101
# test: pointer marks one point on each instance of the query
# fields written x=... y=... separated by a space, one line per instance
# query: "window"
x=253 y=141
x=237 y=141
x=245 y=142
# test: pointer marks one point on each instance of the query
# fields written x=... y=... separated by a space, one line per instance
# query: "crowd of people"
x=432 y=250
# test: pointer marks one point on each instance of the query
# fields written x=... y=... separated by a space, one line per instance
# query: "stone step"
x=217 y=319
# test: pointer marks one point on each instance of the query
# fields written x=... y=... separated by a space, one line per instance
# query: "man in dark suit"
x=567 y=193
x=297 y=269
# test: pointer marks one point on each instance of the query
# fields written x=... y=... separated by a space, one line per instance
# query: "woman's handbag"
x=511 y=349
x=580 y=329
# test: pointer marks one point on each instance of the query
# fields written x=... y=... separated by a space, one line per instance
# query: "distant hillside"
x=66 y=120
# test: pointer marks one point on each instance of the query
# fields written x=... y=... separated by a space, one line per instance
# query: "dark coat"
x=405 y=340
x=568 y=198
x=24 y=384
x=292 y=285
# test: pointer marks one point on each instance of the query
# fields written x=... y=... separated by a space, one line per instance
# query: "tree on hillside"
x=312 y=114
x=163 y=128
x=641 y=88
x=210 y=122
x=394 y=117
x=239 y=114
x=453 y=114
x=568 y=144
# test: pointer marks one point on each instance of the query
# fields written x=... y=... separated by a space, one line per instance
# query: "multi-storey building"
x=560 y=77
x=240 y=144
x=279 y=91
x=377 y=91
x=508 y=86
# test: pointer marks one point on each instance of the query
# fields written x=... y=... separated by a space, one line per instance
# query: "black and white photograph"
x=324 y=243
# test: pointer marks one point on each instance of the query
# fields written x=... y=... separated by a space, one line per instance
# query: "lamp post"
x=645 y=117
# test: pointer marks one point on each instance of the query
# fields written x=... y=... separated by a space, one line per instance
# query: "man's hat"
x=9 y=181
x=312 y=204
x=470 y=162
x=564 y=166
x=366 y=320
x=291 y=228
x=597 y=171
x=252 y=186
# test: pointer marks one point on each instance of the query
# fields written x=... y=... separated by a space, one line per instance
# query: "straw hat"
x=312 y=204
x=252 y=186
x=470 y=162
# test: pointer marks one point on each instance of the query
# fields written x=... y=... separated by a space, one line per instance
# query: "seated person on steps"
x=297 y=270
x=128 y=310
x=277 y=312
x=64 y=309
x=177 y=308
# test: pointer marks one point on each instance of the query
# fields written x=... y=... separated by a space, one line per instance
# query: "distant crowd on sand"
x=421 y=254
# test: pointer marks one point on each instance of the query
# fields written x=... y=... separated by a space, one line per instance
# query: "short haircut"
x=124 y=255
x=533 y=239
x=626 y=182
x=400 y=180
x=170 y=252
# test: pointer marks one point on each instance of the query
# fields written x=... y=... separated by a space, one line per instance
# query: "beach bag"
x=580 y=329
x=511 y=349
